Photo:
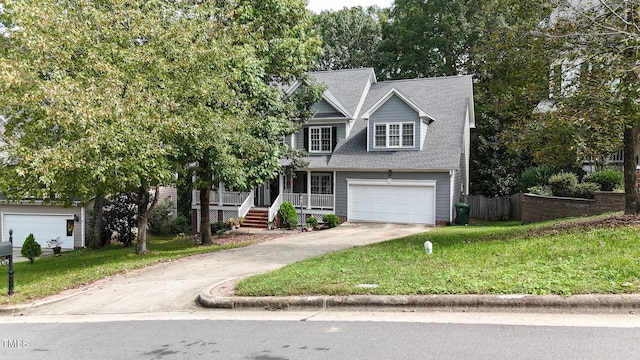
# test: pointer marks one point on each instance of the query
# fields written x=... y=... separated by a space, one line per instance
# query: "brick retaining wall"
x=541 y=208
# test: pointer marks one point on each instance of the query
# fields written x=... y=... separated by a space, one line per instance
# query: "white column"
x=308 y=189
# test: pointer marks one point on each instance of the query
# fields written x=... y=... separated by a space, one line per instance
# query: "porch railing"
x=234 y=198
x=314 y=201
x=275 y=206
x=246 y=205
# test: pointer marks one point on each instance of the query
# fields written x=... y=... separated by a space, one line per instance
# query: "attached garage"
x=43 y=227
x=393 y=201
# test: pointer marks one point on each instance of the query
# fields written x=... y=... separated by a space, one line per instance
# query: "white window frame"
x=398 y=137
x=320 y=142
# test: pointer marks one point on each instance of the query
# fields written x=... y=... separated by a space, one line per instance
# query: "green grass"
x=505 y=258
x=51 y=274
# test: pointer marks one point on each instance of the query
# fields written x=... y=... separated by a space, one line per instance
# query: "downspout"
x=451 y=192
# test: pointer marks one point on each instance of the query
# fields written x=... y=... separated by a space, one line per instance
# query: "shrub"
x=288 y=214
x=586 y=190
x=160 y=218
x=220 y=227
x=608 y=180
x=540 y=190
x=537 y=176
x=181 y=225
x=121 y=217
x=312 y=222
x=31 y=249
x=563 y=184
x=330 y=220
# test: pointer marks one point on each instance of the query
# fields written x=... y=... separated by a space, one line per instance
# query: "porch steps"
x=257 y=218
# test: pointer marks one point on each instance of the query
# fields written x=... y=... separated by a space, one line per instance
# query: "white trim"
x=421 y=113
x=400 y=135
x=320 y=150
x=293 y=88
x=328 y=121
x=391 y=182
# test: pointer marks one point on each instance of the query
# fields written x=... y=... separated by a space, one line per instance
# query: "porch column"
x=280 y=184
x=220 y=190
x=308 y=189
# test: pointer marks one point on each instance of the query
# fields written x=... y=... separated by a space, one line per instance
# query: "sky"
x=318 y=5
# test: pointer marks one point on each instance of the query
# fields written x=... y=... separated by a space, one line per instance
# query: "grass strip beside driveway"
x=565 y=258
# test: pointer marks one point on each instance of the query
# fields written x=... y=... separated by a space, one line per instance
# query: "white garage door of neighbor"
x=43 y=228
x=411 y=202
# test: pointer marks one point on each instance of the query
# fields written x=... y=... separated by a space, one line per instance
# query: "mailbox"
x=6 y=249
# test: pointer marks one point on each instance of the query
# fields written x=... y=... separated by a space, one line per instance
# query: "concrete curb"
x=525 y=303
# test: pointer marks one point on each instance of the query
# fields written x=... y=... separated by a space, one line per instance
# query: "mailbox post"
x=6 y=250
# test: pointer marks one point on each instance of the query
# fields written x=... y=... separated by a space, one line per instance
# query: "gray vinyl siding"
x=443 y=207
x=299 y=137
x=324 y=109
x=39 y=209
x=394 y=110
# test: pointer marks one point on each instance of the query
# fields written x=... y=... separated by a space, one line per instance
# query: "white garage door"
x=43 y=228
x=397 y=201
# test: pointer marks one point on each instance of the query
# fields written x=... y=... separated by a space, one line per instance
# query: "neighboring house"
x=44 y=221
x=392 y=151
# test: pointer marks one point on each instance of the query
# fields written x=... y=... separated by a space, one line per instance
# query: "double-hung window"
x=320 y=139
x=394 y=135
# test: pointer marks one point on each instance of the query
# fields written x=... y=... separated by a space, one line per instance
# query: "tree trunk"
x=205 y=221
x=631 y=203
x=146 y=204
x=98 y=210
x=143 y=219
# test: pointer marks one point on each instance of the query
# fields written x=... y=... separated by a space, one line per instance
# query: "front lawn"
x=51 y=274
x=596 y=255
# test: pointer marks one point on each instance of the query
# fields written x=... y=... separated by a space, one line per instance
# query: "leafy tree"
x=427 y=38
x=351 y=37
x=31 y=249
x=236 y=116
x=110 y=97
x=511 y=79
x=83 y=92
x=603 y=38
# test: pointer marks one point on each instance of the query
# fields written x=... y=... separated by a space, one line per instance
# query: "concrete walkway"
x=174 y=286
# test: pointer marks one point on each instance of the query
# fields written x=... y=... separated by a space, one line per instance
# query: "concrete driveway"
x=173 y=287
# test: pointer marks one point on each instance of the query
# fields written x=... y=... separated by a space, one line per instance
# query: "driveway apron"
x=173 y=286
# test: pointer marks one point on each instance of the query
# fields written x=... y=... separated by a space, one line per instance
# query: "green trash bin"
x=462 y=214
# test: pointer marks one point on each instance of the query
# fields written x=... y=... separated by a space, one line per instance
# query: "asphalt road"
x=280 y=340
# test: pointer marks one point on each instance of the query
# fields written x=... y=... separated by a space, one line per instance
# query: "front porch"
x=311 y=193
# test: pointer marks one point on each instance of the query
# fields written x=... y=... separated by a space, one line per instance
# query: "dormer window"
x=320 y=139
x=394 y=135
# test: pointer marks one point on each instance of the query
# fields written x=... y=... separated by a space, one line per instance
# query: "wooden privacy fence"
x=494 y=209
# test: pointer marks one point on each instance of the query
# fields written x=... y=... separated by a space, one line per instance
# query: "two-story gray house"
x=391 y=151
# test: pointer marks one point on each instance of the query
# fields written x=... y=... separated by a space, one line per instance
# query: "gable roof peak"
x=395 y=92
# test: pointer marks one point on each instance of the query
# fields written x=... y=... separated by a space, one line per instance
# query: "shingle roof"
x=446 y=99
x=346 y=86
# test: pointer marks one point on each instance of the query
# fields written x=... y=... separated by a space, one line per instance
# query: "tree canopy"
x=350 y=36
x=601 y=94
x=111 y=96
